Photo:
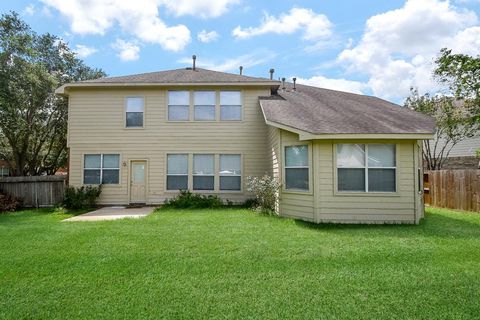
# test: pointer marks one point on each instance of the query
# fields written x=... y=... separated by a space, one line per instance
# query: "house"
x=341 y=157
x=462 y=155
x=4 y=168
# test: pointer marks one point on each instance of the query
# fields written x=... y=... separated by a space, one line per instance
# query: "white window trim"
x=231 y=105
x=309 y=167
x=204 y=175
x=366 y=168
x=125 y=113
x=101 y=168
x=230 y=175
x=176 y=174
x=214 y=105
x=190 y=102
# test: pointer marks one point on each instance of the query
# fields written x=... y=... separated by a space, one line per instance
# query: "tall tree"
x=33 y=122
x=456 y=111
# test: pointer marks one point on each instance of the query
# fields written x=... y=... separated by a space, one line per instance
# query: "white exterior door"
x=138 y=187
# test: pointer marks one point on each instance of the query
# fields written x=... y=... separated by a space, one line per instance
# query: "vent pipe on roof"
x=271 y=73
x=283 y=84
x=241 y=70
x=194 y=57
x=294 y=87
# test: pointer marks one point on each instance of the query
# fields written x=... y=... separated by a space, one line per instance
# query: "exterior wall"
x=324 y=204
x=460 y=163
x=96 y=125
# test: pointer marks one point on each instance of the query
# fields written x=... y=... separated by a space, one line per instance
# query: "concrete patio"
x=113 y=213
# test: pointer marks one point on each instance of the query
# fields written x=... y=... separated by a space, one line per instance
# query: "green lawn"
x=233 y=263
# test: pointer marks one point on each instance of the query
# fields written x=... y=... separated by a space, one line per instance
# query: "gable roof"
x=184 y=76
x=318 y=111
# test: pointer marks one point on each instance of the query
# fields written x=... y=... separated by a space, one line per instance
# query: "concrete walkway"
x=113 y=213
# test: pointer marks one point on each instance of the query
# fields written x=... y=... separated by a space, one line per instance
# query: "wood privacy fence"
x=36 y=191
x=454 y=189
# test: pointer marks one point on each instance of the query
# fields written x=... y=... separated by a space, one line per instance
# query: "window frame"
x=214 y=175
x=190 y=102
x=234 y=175
x=189 y=165
x=101 y=169
x=214 y=105
x=125 y=113
x=366 y=167
x=4 y=172
x=242 y=103
x=310 y=168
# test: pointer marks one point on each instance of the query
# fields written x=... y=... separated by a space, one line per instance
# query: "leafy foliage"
x=34 y=119
x=188 y=200
x=9 y=203
x=83 y=197
x=266 y=190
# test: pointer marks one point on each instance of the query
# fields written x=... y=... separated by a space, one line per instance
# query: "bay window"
x=203 y=172
x=178 y=105
x=230 y=172
x=296 y=168
x=366 y=167
x=101 y=169
x=177 y=171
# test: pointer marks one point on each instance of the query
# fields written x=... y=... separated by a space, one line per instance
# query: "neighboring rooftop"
x=322 y=111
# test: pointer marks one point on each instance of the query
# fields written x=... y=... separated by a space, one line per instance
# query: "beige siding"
x=96 y=125
x=330 y=206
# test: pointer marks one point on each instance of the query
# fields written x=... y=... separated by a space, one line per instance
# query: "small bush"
x=9 y=203
x=83 y=197
x=188 y=200
x=251 y=203
x=266 y=192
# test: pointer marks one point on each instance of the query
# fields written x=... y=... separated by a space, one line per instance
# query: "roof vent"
x=194 y=57
x=294 y=87
x=241 y=70
x=283 y=84
x=271 y=73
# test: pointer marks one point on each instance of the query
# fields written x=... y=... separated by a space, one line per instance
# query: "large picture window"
x=296 y=168
x=203 y=172
x=101 y=169
x=204 y=105
x=177 y=172
x=230 y=172
x=366 y=168
x=134 y=112
x=230 y=105
x=178 y=105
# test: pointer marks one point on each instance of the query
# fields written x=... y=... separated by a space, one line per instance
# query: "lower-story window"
x=230 y=172
x=177 y=171
x=296 y=168
x=203 y=172
x=366 y=167
x=101 y=169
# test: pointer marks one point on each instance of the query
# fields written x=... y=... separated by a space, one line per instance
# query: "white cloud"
x=398 y=47
x=126 y=51
x=138 y=18
x=29 y=10
x=334 y=84
x=198 y=8
x=84 y=51
x=232 y=64
x=314 y=26
x=207 y=37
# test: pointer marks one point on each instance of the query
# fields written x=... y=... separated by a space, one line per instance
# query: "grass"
x=231 y=263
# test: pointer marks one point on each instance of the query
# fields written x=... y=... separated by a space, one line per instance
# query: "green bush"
x=9 y=203
x=83 y=197
x=188 y=200
x=251 y=203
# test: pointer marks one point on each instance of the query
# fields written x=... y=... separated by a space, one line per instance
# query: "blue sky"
x=371 y=46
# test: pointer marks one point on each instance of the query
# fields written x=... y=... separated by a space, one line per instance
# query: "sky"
x=373 y=47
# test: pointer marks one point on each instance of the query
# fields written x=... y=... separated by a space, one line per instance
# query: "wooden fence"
x=454 y=189
x=37 y=191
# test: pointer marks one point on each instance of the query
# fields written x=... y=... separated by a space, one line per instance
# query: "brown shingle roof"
x=185 y=75
x=322 y=111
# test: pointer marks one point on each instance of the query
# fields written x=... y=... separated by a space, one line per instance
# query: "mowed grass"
x=231 y=263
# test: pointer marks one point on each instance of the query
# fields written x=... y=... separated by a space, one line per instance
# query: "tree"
x=33 y=122
x=456 y=111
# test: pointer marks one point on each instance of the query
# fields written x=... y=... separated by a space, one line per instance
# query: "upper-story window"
x=178 y=105
x=230 y=105
x=134 y=112
x=204 y=105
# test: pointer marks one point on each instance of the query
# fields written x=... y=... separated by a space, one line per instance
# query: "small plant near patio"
x=189 y=200
x=83 y=197
x=266 y=192
x=9 y=203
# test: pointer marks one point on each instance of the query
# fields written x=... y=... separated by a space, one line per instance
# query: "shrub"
x=188 y=200
x=9 y=203
x=266 y=192
x=83 y=197
x=251 y=203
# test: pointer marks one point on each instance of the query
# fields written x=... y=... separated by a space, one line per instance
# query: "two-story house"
x=341 y=157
